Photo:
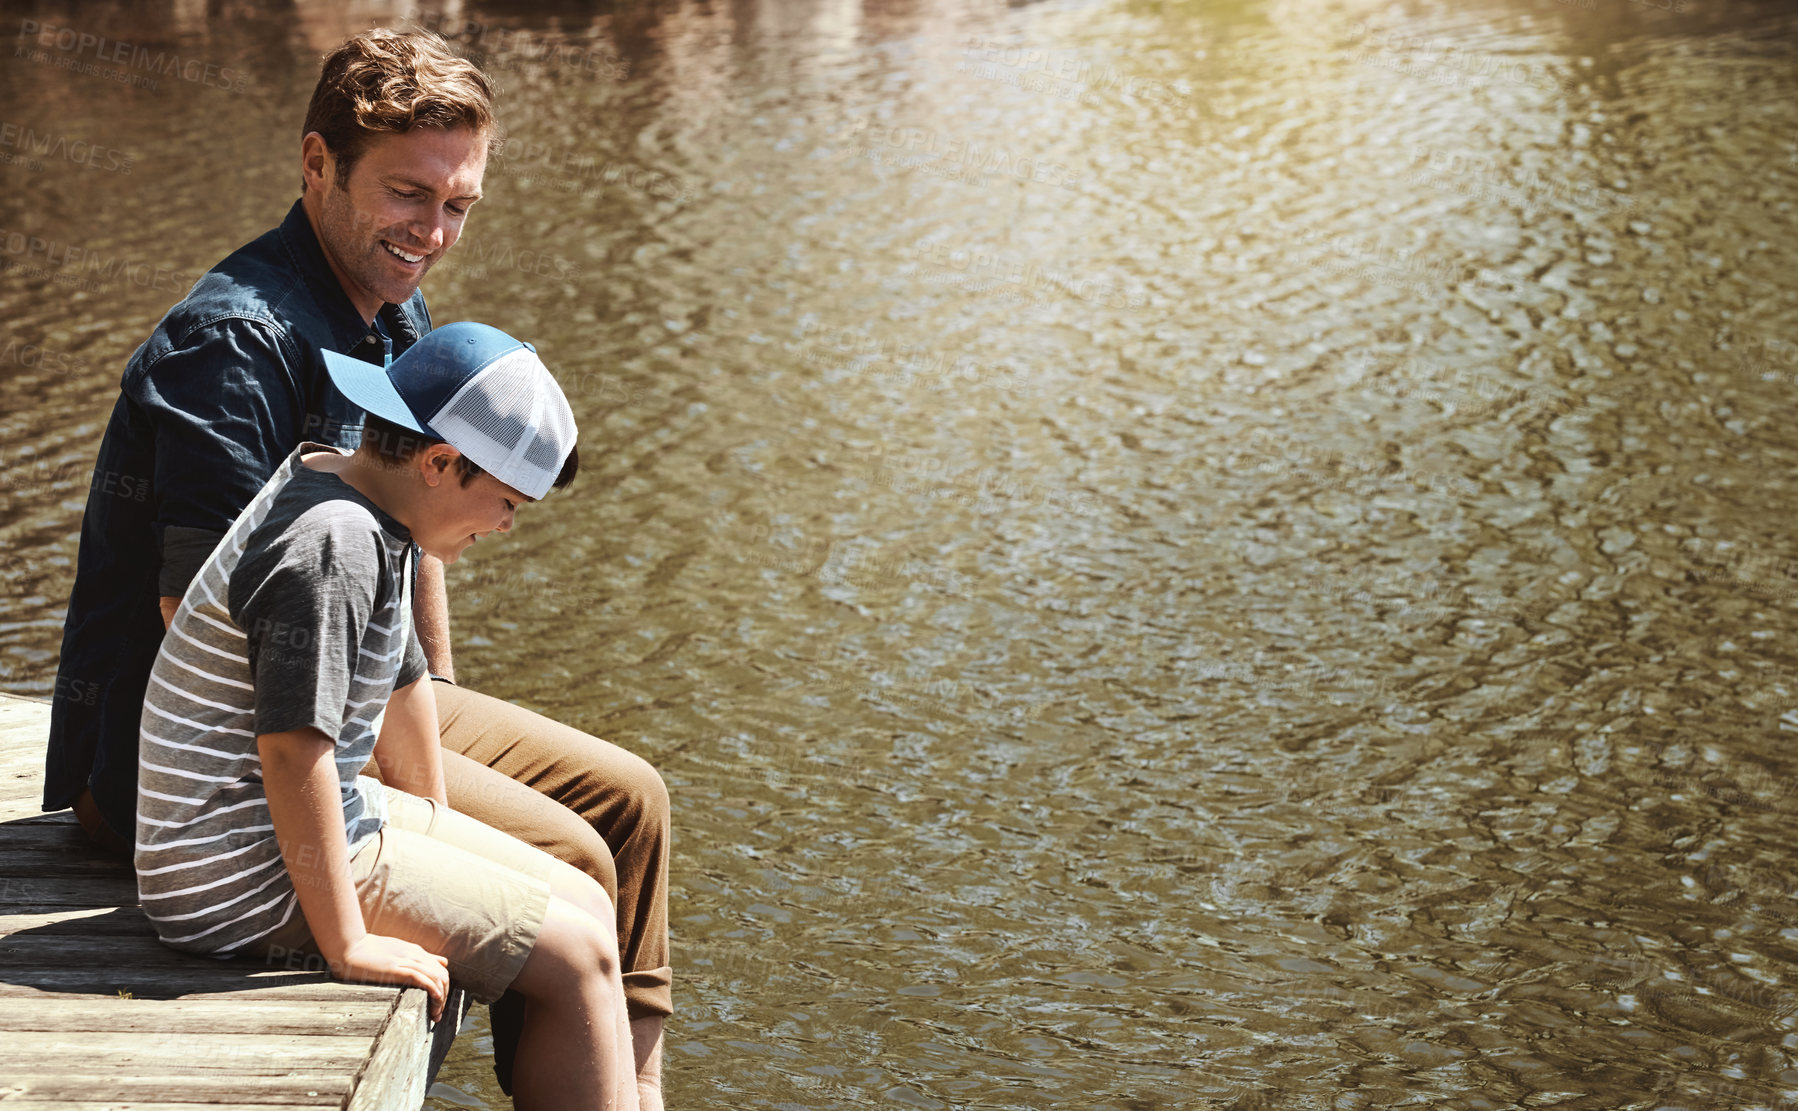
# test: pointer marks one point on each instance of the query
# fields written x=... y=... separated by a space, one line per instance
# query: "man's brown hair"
x=394 y=81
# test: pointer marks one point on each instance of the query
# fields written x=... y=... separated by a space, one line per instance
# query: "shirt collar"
x=347 y=327
x=296 y=469
x=399 y=326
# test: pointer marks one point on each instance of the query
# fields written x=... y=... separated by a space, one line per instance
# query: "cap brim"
x=368 y=386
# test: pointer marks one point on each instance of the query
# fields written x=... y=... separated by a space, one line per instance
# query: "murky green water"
x=1172 y=555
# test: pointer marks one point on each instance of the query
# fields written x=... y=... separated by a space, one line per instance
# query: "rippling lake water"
x=1213 y=555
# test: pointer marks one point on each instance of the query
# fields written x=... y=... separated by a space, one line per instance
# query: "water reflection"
x=1173 y=555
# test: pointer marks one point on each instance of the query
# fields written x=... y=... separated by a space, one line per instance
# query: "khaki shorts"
x=456 y=887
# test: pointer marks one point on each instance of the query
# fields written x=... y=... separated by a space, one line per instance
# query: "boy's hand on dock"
x=379 y=959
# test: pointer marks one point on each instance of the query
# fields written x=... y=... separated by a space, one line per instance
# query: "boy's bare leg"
x=575 y=1018
x=574 y=1051
x=637 y=1058
x=646 y=1043
x=580 y=799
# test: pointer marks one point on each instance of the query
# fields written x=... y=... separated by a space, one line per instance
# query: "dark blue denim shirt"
x=228 y=384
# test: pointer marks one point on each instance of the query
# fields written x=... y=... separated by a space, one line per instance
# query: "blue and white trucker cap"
x=477 y=389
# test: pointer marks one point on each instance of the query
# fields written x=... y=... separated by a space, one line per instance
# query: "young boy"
x=292 y=658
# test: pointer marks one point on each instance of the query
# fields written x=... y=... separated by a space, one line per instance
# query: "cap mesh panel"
x=513 y=420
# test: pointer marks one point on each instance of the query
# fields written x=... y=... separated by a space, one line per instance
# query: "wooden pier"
x=96 y=1014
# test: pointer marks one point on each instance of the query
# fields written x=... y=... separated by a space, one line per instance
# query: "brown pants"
x=580 y=799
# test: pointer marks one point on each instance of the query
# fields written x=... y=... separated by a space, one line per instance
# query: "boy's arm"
x=409 y=751
x=299 y=776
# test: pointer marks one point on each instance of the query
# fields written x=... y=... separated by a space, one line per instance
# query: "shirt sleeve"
x=184 y=552
x=225 y=411
x=304 y=594
x=412 y=665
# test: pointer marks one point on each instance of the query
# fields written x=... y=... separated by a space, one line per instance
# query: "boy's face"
x=453 y=516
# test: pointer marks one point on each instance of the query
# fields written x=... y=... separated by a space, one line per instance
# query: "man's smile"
x=404 y=256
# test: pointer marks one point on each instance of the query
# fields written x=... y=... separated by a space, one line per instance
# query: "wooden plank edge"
x=407 y=1053
x=28 y=1100
x=193 y=1016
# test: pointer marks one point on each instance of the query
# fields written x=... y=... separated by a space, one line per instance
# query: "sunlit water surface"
x=1187 y=555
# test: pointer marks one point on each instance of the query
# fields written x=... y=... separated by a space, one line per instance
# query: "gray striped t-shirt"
x=300 y=617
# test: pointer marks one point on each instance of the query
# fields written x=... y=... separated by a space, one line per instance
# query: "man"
x=393 y=151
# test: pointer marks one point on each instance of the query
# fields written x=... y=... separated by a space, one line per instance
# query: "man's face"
x=400 y=210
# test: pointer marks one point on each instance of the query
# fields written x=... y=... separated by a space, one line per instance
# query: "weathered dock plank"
x=96 y=1013
x=26 y=859
x=395 y=1074
x=62 y=835
x=18 y=917
x=153 y=1051
x=195 y=1016
x=21 y=716
x=46 y=985
x=26 y=1103
x=23 y=810
x=47 y=1089
x=116 y=890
